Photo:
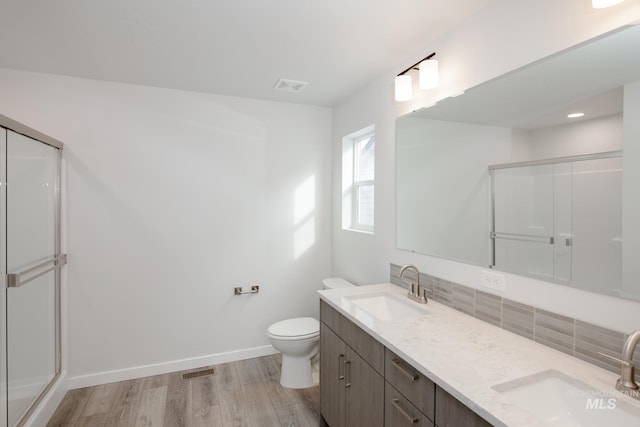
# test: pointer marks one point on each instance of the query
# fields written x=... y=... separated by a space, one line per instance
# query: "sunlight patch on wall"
x=304 y=219
x=305 y=199
x=305 y=237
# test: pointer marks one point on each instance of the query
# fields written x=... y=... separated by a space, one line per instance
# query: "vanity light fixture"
x=574 y=115
x=601 y=4
x=429 y=78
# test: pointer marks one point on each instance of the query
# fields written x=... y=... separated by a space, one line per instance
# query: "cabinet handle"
x=340 y=375
x=412 y=420
x=347 y=371
x=413 y=376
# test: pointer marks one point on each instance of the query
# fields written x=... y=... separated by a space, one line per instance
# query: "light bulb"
x=403 y=88
x=429 y=77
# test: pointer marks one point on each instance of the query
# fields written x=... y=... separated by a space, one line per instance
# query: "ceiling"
x=239 y=47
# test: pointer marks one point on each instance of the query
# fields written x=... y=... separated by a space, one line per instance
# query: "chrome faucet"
x=416 y=293
x=626 y=383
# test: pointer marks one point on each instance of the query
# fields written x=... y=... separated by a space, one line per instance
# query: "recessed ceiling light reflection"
x=575 y=115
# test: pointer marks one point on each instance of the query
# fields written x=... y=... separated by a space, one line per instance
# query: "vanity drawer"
x=417 y=388
x=400 y=412
x=330 y=317
x=371 y=350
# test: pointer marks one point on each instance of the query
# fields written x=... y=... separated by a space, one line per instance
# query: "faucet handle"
x=623 y=362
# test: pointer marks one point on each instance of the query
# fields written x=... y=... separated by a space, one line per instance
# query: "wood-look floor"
x=243 y=393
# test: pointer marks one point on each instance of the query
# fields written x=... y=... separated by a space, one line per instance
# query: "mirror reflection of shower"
x=559 y=220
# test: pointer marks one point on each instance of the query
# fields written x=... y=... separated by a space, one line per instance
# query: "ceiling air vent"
x=287 y=85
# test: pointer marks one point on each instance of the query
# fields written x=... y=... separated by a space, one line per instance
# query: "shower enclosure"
x=30 y=260
x=560 y=220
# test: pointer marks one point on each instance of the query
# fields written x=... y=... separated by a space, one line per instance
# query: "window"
x=358 y=173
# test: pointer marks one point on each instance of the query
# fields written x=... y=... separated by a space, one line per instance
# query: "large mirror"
x=501 y=177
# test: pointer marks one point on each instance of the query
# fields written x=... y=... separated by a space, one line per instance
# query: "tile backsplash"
x=571 y=336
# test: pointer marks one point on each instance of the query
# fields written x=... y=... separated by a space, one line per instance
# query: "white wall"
x=173 y=199
x=504 y=36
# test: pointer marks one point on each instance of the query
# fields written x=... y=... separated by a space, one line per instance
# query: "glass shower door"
x=560 y=220
x=32 y=245
x=523 y=220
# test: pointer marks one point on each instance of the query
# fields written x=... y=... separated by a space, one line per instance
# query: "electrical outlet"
x=492 y=280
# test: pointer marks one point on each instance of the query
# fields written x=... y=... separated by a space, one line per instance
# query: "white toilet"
x=297 y=339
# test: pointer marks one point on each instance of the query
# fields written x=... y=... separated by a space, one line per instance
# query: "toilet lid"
x=298 y=327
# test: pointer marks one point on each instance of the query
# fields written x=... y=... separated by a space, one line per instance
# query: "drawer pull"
x=412 y=420
x=340 y=374
x=347 y=372
x=396 y=362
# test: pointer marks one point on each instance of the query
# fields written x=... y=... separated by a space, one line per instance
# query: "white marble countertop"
x=468 y=357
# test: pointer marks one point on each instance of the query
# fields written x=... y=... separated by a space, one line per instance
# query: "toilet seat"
x=298 y=328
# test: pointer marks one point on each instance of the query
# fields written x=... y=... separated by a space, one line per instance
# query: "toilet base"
x=296 y=372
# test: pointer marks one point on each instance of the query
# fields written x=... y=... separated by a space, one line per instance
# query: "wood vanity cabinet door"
x=450 y=412
x=364 y=393
x=351 y=381
x=333 y=353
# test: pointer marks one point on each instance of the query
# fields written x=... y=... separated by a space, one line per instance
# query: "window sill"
x=356 y=230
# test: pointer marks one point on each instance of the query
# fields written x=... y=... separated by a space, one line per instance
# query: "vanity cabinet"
x=363 y=384
x=351 y=373
x=450 y=412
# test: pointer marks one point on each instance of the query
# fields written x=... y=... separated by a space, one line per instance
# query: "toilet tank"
x=336 y=282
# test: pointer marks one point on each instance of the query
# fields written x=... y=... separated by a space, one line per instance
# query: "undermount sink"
x=385 y=306
x=560 y=400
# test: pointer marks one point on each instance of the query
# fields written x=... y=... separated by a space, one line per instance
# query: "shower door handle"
x=15 y=280
x=522 y=237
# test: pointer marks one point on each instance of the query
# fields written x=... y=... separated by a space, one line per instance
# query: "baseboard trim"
x=166 y=367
